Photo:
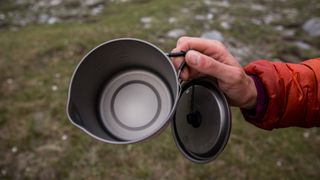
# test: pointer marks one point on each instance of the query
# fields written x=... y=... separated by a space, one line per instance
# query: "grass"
x=36 y=64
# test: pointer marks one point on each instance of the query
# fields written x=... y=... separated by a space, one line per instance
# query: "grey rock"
x=43 y=18
x=119 y=1
x=184 y=10
x=213 y=35
x=225 y=25
x=146 y=20
x=207 y=2
x=312 y=27
x=97 y=10
x=200 y=17
x=258 y=7
x=271 y=18
x=302 y=45
x=214 y=10
x=2 y=17
x=279 y=28
x=210 y=16
x=55 y=2
x=20 y=2
x=93 y=2
x=3 y=172
x=290 y=13
x=288 y=33
x=172 y=20
x=227 y=18
x=256 y=21
x=224 y=3
x=175 y=33
x=53 y=20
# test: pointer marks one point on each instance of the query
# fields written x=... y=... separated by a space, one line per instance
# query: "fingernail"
x=193 y=58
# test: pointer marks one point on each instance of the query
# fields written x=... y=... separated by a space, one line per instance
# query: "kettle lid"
x=202 y=122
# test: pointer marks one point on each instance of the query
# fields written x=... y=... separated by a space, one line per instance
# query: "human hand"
x=212 y=59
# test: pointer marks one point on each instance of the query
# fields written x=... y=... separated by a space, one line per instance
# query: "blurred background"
x=42 y=41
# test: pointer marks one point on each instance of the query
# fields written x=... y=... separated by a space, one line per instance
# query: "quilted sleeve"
x=293 y=93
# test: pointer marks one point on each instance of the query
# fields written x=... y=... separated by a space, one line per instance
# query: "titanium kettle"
x=127 y=90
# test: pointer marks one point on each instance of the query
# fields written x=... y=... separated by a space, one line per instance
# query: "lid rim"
x=224 y=129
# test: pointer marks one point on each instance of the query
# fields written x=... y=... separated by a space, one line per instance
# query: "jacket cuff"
x=258 y=112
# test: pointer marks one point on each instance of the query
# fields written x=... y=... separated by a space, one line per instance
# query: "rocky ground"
x=20 y=13
x=290 y=23
x=42 y=41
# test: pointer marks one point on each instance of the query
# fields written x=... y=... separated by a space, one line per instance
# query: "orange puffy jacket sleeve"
x=292 y=91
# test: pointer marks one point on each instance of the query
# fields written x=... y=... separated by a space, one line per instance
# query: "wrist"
x=258 y=112
x=252 y=94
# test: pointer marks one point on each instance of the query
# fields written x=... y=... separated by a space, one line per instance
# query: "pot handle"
x=183 y=64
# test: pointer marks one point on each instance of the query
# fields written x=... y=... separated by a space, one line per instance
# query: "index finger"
x=212 y=48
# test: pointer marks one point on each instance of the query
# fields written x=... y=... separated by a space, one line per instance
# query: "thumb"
x=207 y=65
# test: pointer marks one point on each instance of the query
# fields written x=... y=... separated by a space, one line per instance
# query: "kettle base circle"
x=135 y=100
x=134 y=104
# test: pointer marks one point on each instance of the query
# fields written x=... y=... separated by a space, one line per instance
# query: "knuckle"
x=182 y=39
x=218 y=43
x=206 y=64
x=209 y=65
x=221 y=50
x=220 y=46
